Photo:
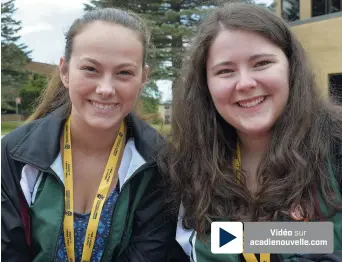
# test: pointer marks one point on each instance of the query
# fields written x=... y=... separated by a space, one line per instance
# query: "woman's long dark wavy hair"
x=198 y=159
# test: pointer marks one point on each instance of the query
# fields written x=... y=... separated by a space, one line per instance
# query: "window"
x=323 y=7
x=336 y=6
x=290 y=10
x=167 y=106
x=335 y=87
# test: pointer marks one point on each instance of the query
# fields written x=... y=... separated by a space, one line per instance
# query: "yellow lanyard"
x=237 y=162
x=100 y=196
x=237 y=166
x=253 y=258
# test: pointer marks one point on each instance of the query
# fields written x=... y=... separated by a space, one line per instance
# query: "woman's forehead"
x=103 y=40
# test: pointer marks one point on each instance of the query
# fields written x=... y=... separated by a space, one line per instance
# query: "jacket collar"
x=40 y=144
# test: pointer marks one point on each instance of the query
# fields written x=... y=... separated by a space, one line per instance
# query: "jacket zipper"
x=49 y=171
x=116 y=249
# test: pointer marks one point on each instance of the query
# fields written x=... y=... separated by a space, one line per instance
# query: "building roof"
x=41 y=68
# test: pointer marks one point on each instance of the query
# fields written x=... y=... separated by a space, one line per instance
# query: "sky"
x=44 y=23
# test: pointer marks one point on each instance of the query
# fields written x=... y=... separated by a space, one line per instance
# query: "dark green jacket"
x=141 y=229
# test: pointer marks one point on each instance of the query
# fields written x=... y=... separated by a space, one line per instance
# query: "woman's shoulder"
x=11 y=140
x=35 y=143
x=147 y=140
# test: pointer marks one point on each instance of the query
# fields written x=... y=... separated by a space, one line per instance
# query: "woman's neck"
x=253 y=145
x=252 y=150
x=91 y=140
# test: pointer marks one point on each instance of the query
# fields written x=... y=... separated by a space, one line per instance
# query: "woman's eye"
x=126 y=73
x=262 y=63
x=224 y=71
x=89 y=68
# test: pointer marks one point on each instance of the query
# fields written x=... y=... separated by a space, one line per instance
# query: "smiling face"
x=248 y=80
x=105 y=74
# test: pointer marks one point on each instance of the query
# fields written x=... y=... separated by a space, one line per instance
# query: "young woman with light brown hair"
x=79 y=182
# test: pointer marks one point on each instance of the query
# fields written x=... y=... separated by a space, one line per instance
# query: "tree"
x=31 y=92
x=13 y=59
x=9 y=27
x=290 y=10
x=151 y=97
x=272 y=6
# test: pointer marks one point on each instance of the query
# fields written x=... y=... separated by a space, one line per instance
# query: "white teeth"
x=103 y=106
x=252 y=103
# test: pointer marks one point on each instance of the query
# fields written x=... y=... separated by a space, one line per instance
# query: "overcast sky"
x=44 y=23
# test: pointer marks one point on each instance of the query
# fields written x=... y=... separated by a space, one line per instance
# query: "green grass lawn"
x=7 y=127
x=163 y=129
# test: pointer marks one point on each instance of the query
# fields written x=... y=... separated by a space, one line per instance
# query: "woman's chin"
x=255 y=130
x=101 y=125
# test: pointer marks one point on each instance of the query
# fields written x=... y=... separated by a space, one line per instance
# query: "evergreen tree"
x=13 y=59
x=31 y=92
x=290 y=10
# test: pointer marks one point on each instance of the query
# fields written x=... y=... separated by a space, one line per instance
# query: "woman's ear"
x=64 y=72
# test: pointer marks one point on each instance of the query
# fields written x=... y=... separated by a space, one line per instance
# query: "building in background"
x=318 y=25
x=165 y=111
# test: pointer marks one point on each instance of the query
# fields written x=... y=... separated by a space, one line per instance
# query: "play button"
x=226 y=237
